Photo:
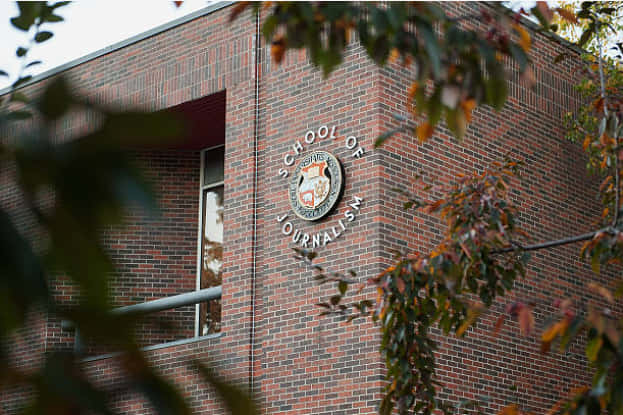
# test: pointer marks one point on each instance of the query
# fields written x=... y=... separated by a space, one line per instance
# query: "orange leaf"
x=178 y=3
x=498 y=324
x=468 y=105
x=524 y=37
x=526 y=320
x=587 y=142
x=601 y=290
x=568 y=15
x=604 y=183
x=543 y=7
x=394 y=55
x=237 y=9
x=554 y=330
x=472 y=316
x=424 y=132
x=278 y=49
x=413 y=90
x=509 y=410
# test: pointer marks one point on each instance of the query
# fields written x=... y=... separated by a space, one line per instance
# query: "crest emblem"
x=316 y=185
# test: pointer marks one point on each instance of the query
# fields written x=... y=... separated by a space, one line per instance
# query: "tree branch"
x=617 y=190
x=551 y=244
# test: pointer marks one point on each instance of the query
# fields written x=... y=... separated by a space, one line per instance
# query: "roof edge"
x=122 y=44
x=536 y=28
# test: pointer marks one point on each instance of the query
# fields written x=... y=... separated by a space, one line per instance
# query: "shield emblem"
x=314 y=185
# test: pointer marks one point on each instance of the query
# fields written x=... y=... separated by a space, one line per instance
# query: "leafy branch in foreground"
x=458 y=69
x=421 y=291
x=72 y=190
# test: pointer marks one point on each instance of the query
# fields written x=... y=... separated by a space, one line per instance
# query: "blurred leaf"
x=19 y=97
x=568 y=15
x=43 y=36
x=62 y=388
x=19 y=115
x=20 y=51
x=21 y=81
x=33 y=63
x=526 y=320
x=22 y=276
x=593 y=347
x=385 y=136
x=53 y=18
x=234 y=398
x=3 y=73
x=56 y=99
x=163 y=395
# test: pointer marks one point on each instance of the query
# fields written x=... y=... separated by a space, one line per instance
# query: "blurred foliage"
x=593 y=19
x=457 y=67
x=73 y=189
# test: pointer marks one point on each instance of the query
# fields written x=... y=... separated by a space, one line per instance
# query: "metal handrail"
x=175 y=301
x=166 y=303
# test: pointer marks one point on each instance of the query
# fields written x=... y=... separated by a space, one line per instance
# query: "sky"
x=89 y=26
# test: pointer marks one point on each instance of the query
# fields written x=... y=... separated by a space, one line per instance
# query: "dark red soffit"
x=204 y=120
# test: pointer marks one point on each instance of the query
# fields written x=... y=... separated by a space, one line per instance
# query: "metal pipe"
x=189 y=298
x=254 y=236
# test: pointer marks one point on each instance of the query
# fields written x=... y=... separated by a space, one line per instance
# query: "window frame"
x=203 y=186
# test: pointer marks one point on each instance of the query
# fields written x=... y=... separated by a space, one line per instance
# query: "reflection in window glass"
x=211 y=257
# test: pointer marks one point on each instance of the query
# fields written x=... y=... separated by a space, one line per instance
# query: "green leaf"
x=497 y=92
x=431 y=44
x=21 y=23
x=607 y=10
x=22 y=276
x=59 y=4
x=22 y=81
x=595 y=263
x=455 y=120
x=33 y=63
x=335 y=300
x=53 y=18
x=584 y=14
x=593 y=347
x=56 y=99
x=43 y=36
x=586 y=35
x=434 y=107
x=342 y=287
x=21 y=51
x=384 y=137
x=519 y=55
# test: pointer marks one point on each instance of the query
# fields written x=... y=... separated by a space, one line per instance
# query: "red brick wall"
x=556 y=199
x=303 y=363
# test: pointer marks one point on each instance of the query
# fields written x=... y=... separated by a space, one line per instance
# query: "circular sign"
x=316 y=185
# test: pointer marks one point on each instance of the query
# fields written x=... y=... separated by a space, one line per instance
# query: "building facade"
x=227 y=220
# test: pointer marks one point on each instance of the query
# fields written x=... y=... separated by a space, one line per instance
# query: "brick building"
x=227 y=187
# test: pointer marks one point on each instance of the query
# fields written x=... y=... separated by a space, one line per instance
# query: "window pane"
x=213 y=166
x=211 y=257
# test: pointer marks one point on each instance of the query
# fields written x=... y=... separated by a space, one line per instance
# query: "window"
x=210 y=236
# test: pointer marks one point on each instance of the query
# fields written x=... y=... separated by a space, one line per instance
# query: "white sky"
x=89 y=26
